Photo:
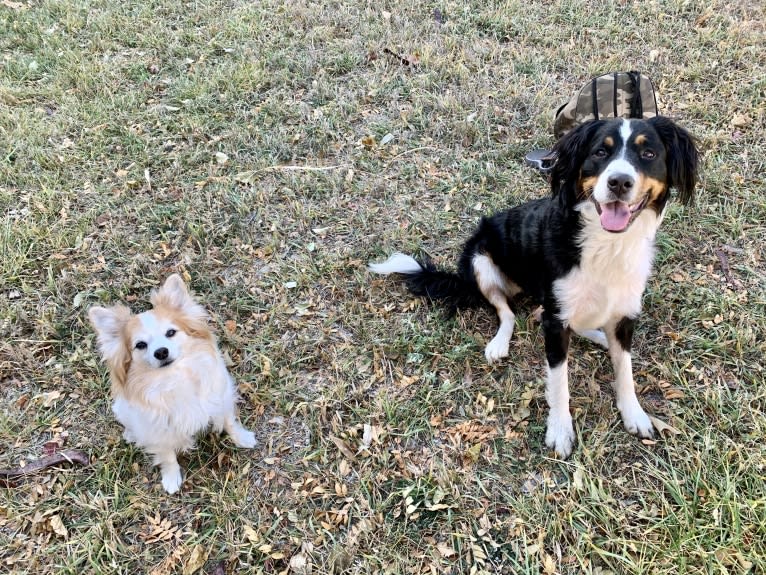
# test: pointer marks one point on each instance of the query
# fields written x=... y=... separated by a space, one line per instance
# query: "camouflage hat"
x=614 y=95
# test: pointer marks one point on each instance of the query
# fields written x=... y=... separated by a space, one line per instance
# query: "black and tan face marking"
x=624 y=173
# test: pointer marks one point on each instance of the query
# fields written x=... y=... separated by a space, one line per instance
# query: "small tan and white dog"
x=169 y=380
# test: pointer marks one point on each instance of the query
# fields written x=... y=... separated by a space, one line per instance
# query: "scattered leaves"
x=13 y=5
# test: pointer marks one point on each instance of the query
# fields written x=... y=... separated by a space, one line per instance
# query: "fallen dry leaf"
x=298 y=563
x=740 y=121
x=549 y=565
x=578 y=478
x=58 y=526
x=251 y=535
x=48 y=398
x=343 y=447
x=196 y=560
x=663 y=427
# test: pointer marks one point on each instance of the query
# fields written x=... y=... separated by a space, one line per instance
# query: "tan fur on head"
x=585 y=187
x=114 y=325
x=174 y=297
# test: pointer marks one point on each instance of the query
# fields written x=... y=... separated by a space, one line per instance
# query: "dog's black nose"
x=161 y=353
x=620 y=184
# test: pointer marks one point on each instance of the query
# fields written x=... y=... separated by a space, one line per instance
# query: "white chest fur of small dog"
x=612 y=274
x=187 y=400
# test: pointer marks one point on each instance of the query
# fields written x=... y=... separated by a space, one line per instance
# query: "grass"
x=268 y=151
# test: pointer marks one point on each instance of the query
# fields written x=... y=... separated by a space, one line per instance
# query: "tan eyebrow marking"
x=609 y=141
x=640 y=139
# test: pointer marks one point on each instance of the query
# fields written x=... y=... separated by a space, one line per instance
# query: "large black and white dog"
x=585 y=253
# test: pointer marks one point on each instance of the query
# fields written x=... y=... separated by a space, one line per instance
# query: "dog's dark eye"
x=170 y=333
x=600 y=153
x=141 y=345
x=648 y=155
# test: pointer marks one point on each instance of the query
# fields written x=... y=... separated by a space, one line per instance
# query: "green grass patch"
x=269 y=150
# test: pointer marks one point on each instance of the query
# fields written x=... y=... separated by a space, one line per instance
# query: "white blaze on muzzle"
x=617 y=207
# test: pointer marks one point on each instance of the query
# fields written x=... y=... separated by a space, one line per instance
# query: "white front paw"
x=637 y=422
x=497 y=348
x=560 y=435
x=244 y=438
x=172 y=479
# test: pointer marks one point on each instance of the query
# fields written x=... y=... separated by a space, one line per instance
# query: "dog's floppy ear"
x=174 y=295
x=682 y=157
x=571 y=151
x=109 y=324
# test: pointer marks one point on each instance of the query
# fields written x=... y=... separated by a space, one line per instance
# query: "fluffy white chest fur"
x=612 y=274
x=189 y=396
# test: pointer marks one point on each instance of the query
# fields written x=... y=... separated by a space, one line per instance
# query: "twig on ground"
x=66 y=456
x=724 y=260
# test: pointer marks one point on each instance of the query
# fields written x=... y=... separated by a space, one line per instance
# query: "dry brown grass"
x=142 y=139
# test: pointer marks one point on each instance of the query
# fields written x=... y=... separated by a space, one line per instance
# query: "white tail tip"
x=396 y=264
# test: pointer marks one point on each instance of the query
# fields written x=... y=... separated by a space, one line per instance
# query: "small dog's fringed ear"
x=682 y=157
x=173 y=294
x=109 y=324
x=571 y=151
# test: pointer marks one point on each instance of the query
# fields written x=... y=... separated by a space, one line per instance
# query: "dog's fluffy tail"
x=425 y=279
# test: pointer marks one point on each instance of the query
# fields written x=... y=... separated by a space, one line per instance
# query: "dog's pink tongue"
x=615 y=216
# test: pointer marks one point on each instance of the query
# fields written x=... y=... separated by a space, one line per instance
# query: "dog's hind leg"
x=496 y=288
x=239 y=435
x=497 y=348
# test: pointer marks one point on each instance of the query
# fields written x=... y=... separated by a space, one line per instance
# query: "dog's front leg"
x=560 y=434
x=619 y=336
x=169 y=469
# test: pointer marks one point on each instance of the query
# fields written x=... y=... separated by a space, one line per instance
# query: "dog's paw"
x=497 y=349
x=637 y=422
x=172 y=479
x=244 y=438
x=560 y=435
